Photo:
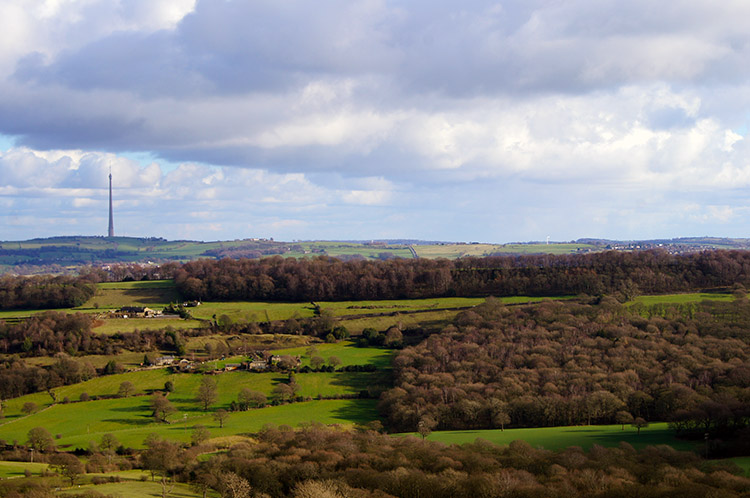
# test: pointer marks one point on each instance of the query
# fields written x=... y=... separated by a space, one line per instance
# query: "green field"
x=452 y=251
x=338 y=249
x=262 y=311
x=694 y=297
x=134 y=487
x=152 y=293
x=553 y=438
x=18 y=469
x=743 y=463
x=129 y=419
x=347 y=352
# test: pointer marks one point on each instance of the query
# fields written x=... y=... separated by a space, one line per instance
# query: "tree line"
x=322 y=278
x=42 y=292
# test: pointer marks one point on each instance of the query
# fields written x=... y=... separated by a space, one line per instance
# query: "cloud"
x=370 y=105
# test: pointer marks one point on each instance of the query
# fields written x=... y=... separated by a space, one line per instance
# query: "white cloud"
x=293 y=111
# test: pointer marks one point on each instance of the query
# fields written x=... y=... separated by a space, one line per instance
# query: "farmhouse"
x=133 y=312
x=164 y=360
x=258 y=365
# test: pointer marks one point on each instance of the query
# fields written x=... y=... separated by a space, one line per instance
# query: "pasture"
x=18 y=469
x=346 y=351
x=151 y=293
x=130 y=420
x=691 y=297
x=454 y=251
x=554 y=438
x=133 y=487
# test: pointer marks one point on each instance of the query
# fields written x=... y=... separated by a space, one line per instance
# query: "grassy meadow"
x=691 y=297
x=130 y=419
x=135 y=487
x=74 y=425
x=18 y=469
x=554 y=438
x=453 y=251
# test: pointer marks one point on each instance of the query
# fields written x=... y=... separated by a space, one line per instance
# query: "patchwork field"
x=130 y=419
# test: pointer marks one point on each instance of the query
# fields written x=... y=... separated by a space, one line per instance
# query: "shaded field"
x=128 y=359
x=196 y=345
x=114 y=295
x=114 y=325
x=743 y=463
x=427 y=320
x=554 y=438
x=152 y=293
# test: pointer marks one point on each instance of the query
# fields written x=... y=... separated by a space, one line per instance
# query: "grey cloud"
x=457 y=49
x=232 y=74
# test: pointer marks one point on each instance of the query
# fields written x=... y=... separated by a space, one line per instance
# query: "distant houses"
x=257 y=365
x=164 y=361
x=133 y=312
x=259 y=362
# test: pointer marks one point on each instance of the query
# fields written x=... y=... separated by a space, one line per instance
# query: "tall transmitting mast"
x=111 y=218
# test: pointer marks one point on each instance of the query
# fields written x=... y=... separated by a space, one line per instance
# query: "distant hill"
x=65 y=254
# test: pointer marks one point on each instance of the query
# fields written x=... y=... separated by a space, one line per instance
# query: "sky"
x=490 y=121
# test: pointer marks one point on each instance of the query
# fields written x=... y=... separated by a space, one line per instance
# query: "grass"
x=129 y=419
x=111 y=326
x=196 y=345
x=345 y=351
x=261 y=311
x=693 y=297
x=554 y=438
x=115 y=295
x=149 y=293
x=256 y=311
x=427 y=320
x=75 y=422
x=743 y=463
x=452 y=251
x=18 y=469
x=141 y=489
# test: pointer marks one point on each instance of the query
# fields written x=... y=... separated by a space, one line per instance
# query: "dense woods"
x=42 y=292
x=564 y=363
x=323 y=278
